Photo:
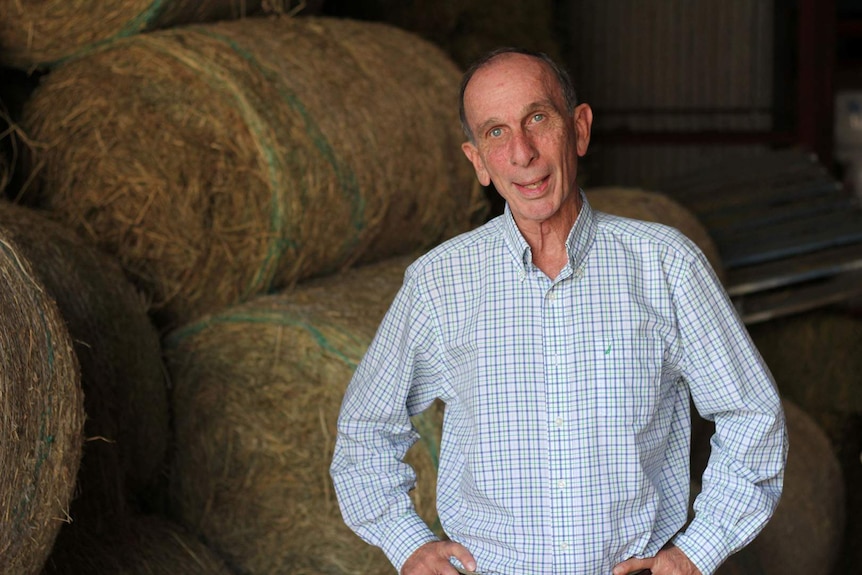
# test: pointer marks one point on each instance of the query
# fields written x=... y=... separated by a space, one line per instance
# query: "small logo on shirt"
x=608 y=349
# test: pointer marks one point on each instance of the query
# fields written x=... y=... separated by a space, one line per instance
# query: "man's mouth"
x=533 y=185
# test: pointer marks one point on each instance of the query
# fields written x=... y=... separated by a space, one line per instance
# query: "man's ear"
x=583 y=118
x=472 y=153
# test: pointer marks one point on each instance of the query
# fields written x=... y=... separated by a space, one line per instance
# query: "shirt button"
x=558 y=422
x=561 y=483
x=564 y=546
x=551 y=296
x=579 y=273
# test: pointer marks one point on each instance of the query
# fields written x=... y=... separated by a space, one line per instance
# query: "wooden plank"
x=764 y=306
x=783 y=272
x=764 y=194
x=792 y=239
x=737 y=171
x=794 y=230
x=743 y=218
x=756 y=171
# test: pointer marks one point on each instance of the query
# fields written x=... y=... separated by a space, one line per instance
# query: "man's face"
x=525 y=142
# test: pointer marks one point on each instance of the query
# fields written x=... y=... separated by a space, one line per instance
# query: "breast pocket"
x=627 y=378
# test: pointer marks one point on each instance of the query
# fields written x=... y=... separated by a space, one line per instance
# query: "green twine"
x=136 y=25
x=344 y=175
x=176 y=338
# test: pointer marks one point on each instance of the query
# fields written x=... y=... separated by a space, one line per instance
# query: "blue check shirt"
x=565 y=445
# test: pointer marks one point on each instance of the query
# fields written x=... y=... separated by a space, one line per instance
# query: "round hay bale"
x=845 y=434
x=465 y=29
x=815 y=358
x=40 y=34
x=139 y=545
x=257 y=390
x=119 y=353
x=657 y=207
x=224 y=161
x=743 y=562
x=805 y=533
x=41 y=416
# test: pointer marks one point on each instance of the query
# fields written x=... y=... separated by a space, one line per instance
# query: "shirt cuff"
x=404 y=536
x=704 y=544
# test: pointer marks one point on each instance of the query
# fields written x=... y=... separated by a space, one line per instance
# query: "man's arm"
x=731 y=385
x=393 y=381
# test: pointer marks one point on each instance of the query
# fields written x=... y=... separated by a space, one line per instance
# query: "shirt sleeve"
x=731 y=385
x=393 y=381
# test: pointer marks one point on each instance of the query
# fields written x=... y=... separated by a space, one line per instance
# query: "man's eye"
x=495 y=132
x=538 y=117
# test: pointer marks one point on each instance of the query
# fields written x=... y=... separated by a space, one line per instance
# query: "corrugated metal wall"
x=670 y=65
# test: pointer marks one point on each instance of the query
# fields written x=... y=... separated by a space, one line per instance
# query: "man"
x=566 y=344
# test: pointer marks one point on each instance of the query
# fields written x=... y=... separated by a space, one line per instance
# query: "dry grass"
x=805 y=533
x=257 y=394
x=39 y=34
x=465 y=29
x=119 y=353
x=41 y=416
x=138 y=545
x=815 y=358
x=223 y=161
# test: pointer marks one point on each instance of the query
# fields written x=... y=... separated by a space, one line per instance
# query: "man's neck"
x=547 y=240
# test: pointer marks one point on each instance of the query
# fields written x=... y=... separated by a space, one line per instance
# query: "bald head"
x=559 y=75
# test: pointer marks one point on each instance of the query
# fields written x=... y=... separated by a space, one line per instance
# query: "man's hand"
x=669 y=561
x=433 y=559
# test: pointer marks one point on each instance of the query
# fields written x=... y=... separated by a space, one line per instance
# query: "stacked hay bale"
x=119 y=353
x=805 y=535
x=38 y=34
x=657 y=207
x=465 y=29
x=5 y=147
x=222 y=161
x=140 y=545
x=257 y=390
x=816 y=361
x=5 y=171
x=41 y=415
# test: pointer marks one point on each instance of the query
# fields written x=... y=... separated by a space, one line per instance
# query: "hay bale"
x=845 y=434
x=40 y=34
x=464 y=29
x=5 y=172
x=139 y=545
x=223 y=161
x=257 y=390
x=41 y=416
x=805 y=533
x=119 y=353
x=815 y=358
x=657 y=207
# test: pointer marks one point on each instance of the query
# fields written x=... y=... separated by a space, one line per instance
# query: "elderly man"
x=566 y=344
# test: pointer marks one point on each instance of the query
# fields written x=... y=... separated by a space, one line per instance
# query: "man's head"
x=563 y=78
x=525 y=133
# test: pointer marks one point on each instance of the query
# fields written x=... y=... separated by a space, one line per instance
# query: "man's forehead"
x=531 y=76
x=511 y=63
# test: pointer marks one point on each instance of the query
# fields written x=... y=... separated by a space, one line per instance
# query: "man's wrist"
x=404 y=536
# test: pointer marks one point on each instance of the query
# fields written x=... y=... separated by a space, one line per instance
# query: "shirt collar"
x=578 y=242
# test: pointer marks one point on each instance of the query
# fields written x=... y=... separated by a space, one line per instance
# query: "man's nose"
x=523 y=151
